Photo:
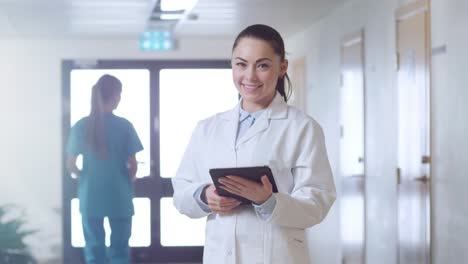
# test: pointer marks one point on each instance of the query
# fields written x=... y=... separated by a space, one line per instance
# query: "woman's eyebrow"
x=263 y=59
x=259 y=60
x=239 y=58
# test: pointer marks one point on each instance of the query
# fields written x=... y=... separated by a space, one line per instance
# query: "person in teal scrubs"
x=108 y=144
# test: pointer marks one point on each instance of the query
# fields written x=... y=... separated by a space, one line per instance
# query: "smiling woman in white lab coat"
x=261 y=130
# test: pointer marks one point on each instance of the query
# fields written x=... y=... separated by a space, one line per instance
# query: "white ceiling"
x=129 y=18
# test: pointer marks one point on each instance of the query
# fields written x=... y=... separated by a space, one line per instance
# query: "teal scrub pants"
x=94 y=234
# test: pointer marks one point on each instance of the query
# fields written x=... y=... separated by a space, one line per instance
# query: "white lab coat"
x=292 y=144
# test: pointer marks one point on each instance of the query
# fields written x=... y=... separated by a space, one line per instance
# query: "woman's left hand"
x=256 y=192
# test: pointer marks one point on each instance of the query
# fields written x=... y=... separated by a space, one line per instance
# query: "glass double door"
x=164 y=100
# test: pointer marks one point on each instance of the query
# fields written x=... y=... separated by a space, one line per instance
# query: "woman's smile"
x=250 y=88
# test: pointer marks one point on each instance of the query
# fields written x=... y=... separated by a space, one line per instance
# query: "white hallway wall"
x=30 y=114
x=320 y=44
x=450 y=123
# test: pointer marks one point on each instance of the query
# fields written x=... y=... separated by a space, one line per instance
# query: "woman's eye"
x=240 y=64
x=263 y=66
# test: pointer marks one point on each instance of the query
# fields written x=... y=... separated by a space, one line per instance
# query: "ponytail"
x=106 y=87
x=283 y=86
x=95 y=129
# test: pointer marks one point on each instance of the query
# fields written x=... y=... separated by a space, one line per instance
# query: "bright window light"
x=205 y=92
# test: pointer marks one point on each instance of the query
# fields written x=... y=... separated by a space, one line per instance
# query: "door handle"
x=425 y=159
x=423 y=179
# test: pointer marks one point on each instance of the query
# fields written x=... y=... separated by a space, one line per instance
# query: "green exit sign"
x=156 y=40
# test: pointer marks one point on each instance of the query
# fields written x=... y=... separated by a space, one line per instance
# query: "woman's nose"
x=251 y=74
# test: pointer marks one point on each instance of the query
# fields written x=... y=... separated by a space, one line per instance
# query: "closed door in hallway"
x=352 y=149
x=413 y=170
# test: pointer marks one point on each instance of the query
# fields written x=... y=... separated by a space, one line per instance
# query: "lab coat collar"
x=278 y=109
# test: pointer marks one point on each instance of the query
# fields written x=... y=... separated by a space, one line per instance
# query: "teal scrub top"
x=105 y=188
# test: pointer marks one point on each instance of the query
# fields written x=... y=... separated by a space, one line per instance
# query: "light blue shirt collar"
x=243 y=115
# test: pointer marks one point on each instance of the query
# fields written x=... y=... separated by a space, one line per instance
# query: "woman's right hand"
x=220 y=204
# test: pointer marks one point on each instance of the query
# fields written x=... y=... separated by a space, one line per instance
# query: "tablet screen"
x=250 y=173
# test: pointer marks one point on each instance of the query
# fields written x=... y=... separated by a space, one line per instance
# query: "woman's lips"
x=250 y=87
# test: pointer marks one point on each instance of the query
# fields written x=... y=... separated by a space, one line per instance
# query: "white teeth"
x=250 y=86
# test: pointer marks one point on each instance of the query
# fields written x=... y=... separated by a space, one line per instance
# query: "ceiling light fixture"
x=171 y=16
x=176 y=5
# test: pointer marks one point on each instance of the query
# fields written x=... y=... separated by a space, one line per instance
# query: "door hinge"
x=398 y=175
x=397 y=61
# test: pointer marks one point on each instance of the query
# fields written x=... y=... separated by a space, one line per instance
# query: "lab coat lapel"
x=276 y=110
x=260 y=125
x=232 y=119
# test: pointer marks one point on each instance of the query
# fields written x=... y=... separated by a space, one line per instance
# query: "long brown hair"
x=103 y=91
x=270 y=35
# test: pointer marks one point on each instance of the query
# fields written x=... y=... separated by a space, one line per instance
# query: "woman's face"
x=255 y=70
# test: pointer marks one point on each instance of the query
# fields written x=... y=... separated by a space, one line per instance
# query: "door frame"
x=154 y=186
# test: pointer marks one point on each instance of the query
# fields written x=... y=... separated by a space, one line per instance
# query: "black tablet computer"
x=251 y=173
